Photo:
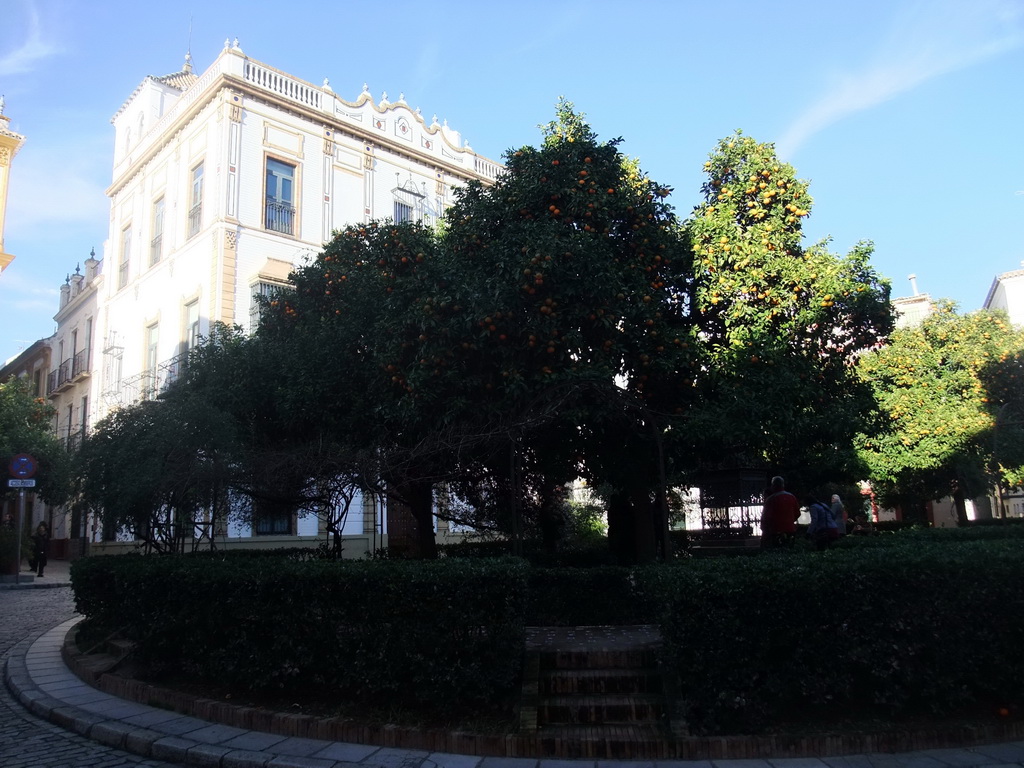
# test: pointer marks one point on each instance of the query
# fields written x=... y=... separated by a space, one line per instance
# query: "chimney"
x=913 y=284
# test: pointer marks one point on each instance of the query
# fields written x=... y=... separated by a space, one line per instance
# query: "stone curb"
x=35 y=585
x=532 y=747
x=138 y=740
x=231 y=736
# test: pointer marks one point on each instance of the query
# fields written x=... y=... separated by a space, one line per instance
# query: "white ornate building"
x=222 y=182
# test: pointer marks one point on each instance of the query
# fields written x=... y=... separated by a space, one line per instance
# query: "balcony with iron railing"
x=80 y=365
x=74 y=440
x=59 y=379
x=69 y=372
x=172 y=370
x=147 y=385
x=280 y=217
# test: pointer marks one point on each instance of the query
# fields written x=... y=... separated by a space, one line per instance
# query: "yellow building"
x=10 y=143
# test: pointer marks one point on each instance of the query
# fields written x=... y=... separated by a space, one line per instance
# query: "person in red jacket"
x=778 y=518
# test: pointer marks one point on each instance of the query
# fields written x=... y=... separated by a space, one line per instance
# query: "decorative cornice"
x=227 y=77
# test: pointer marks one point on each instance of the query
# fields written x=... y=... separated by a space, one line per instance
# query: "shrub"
x=407 y=633
x=903 y=625
x=926 y=630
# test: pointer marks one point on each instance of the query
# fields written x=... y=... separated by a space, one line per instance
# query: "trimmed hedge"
x=412 y=634
x=900 y=632
x=906 y=625
x=570 y=597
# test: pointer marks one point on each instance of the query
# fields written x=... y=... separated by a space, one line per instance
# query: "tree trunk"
x=663 y=541
x=415 y=501
x=619 y=527
x=632 y=527
x=645 y=547
x=422 y=508
x=552 y=521
x=959 y=503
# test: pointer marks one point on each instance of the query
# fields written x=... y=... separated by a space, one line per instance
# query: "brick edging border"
x=523 y=745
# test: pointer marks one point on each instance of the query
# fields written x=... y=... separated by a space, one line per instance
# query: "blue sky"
x=907 y=116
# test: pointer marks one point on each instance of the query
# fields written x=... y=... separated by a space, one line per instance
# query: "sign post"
x=22 y=469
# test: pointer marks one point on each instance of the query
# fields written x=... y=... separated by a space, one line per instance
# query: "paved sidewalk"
x=57 y=573
x=27 y=741
x=37 y=676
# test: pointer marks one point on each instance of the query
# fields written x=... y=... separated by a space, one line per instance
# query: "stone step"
x=603 y=710
x=629 y=658
x=599 y=681
x=119 y=647
x=612 y=742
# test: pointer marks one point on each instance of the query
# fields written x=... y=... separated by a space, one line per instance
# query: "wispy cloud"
x=33 y=49
x=927 y=40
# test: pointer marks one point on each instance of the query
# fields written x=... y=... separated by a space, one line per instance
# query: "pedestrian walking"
x=40 y=547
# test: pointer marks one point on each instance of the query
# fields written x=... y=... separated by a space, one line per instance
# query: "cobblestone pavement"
x=25 y=740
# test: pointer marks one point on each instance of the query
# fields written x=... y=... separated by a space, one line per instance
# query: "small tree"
x=780 y=325
x=25 y=427
x=155 y=470
x=940 y=387
x=1003 y=381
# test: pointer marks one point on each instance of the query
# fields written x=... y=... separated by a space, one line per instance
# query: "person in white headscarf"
x=839 y=513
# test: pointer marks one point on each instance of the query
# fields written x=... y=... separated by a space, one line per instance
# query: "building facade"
x=32 y=365
x=912 y=310
x=1007 y=293
x=224 y=181
x=10 y=143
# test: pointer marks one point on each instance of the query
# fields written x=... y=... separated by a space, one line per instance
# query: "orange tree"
x=1003 y=380
x=574 y=281
x=155 y=468
x=940 y=387
x=350 y=337
x=780 y=325
x=552 y=300
x=564 y=324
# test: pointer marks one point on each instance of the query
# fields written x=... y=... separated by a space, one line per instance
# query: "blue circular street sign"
x=22 y=466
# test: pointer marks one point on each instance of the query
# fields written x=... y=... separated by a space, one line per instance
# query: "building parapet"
x=232 y=64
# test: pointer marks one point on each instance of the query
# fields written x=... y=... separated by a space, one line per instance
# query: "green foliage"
x=940 y=387
x=899 y=625
x=603 y=595
x=900 y=631
x=1003 y=381
x=586 y=521
x=780 y=324
x=25 y=427
x=561 y=323
x=155 y=468
x=270 y=623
